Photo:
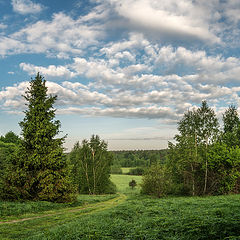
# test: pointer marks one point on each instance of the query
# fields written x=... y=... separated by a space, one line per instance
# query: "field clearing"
x=122 y=183
x=114 y=217
x=146 y=218
x=126 y=170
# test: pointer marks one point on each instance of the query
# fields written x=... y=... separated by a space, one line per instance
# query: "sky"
x=126 y=70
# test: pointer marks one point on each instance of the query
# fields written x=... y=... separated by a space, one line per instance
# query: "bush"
x=139 y=171
x=116 y=169
x=111 y=188
x=179 y=189
x=156 y=181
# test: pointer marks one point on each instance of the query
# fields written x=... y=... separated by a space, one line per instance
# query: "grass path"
x=22 y=225
x=71 y=212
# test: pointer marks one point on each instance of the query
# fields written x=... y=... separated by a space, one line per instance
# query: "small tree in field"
x=39 y=170
x=132 y=184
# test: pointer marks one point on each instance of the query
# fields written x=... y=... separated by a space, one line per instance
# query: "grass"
x=122 y=183
x=31 y=207
x=137 y=217
x=142 y=217
x=125 y=170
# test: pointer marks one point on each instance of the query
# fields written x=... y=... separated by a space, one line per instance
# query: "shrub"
x=116 y=169
x=139 y=171
x=156 y=181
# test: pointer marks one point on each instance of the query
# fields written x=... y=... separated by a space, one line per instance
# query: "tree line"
x=205 y=158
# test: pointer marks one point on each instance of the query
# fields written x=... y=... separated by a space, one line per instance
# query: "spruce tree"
x=39 y=170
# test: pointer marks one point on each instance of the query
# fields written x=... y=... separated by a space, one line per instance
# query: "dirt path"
x=69 y=213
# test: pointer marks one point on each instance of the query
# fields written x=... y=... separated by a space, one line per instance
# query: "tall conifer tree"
x=39 y=170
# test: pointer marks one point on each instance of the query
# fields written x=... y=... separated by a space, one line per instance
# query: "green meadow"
x=122 y=183
x=126 y=215
x=125 y=170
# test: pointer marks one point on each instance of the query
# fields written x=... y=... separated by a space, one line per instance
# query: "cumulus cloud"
x=56 y=38
x=159 y=77
x=133 y=76
x=26 y=7
x=51 y=70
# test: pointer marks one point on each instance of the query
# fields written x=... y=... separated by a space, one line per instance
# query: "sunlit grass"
x=137 y=217
x=125 y=170
x=142 y=217
x=122 y=183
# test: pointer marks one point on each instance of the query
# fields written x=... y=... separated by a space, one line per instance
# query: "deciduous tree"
x=91 y=166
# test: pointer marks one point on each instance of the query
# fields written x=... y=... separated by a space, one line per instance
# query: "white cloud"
x=57 y=38
x=170 y=18
x=145 y=84
x=136 y=77
x=136 y=40
x=26 y=7
x=11 y=97
x=141 y=112
x=3 y=26
x=51 y=70
x=10 y=46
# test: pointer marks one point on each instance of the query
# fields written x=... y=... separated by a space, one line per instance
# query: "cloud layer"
x=154 y=62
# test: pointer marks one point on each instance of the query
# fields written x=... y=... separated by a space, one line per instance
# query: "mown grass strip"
x=81 y=209
x=21 y=227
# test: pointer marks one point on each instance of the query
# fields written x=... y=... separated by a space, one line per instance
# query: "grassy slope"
x=142 y=217
x=16 y=209
x=148 y=218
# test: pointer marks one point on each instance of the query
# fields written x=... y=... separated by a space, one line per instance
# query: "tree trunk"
x=94 y=173
x=206 y=176
x=193 y=180
x=206 y=168
x=86 y=173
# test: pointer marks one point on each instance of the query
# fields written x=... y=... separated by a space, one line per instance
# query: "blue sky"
x=124 y=69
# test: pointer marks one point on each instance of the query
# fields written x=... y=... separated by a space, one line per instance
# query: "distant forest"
x=139 y=158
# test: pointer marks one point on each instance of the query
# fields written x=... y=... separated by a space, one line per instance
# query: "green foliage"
x=6 y=153
x=10 y=137
x=8 y=145
x=231 y=127
x=156 y=181
x=39 y=171
x=230 y=119
x=224 y=164
x=203 y=161
x=91 y=166
x=139 y=171
x=116 y=169
x=132 y=184
x=139 y=158
x=188 y=159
